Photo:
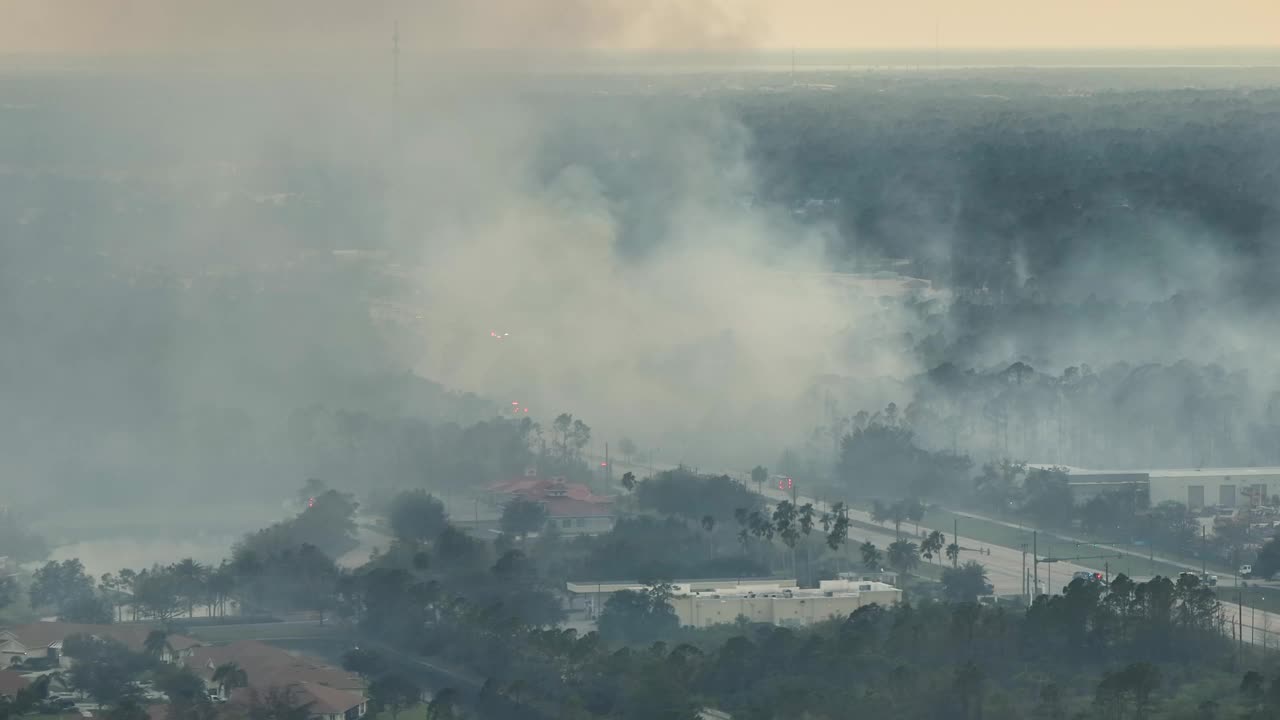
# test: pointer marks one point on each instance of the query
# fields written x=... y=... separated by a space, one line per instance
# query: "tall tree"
x=60 y=585
x=932 y=546
x=870 y=556
x=903 y=556
x=965 y=583
x=190 y=576
x=443 y=705
x=417 y=516
x=521 y=516
x=393 y=693
x=156 y=643
x=229 y=676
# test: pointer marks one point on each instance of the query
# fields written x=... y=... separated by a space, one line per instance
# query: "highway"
x=1004 y=565
x=1259 y=628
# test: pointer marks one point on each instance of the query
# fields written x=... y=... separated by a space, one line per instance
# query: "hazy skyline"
x=112 y=26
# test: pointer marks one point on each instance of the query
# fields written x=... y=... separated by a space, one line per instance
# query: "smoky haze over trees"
x=186 y=326
x=221 y=276
x=188 y=333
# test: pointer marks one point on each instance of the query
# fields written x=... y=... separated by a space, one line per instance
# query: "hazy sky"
x=121 y=25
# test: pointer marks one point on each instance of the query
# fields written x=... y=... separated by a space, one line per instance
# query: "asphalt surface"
x=1004 y=565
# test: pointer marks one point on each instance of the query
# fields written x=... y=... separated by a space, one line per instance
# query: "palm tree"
x=836 y=525
x=784 y=520
x=629 y=481
x=191 y=577
x=898 y=513
x=156 y=643
x=229 y=676
x=933 y=545
x=903 y=556
x=805 y=518
x=953 y=554
x=870 y=556
x=709 y=526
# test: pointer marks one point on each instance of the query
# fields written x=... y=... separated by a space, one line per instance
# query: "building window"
x=566 y=522
x=581 y=522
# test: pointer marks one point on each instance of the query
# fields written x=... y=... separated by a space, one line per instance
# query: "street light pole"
x=1035 y=553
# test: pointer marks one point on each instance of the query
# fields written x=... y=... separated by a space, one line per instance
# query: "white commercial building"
x=781 y=606
x=1196 y=488
x=779 y=603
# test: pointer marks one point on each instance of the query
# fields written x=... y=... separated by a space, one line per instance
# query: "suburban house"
x=11 y=683
x=322 y=702
x=44 y=640
x=329 y=692
x=572 y=508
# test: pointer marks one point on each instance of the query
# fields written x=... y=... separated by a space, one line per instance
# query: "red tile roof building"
x=571 y=507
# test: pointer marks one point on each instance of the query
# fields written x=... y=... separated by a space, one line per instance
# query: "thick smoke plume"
x=703 y=339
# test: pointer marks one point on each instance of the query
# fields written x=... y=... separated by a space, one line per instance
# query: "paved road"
x=1004 y=565
x=1106 y=548
x=1259 y=627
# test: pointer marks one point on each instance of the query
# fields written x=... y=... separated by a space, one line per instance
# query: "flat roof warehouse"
x=1197 y=488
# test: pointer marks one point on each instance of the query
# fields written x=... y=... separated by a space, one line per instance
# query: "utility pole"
x=608 y=470
x=1240 y=619
x=1050 y=580
x=1204 y=549
x=1035 y=553
x=1024 y=574
x=955 y=538
x=1239 y=615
